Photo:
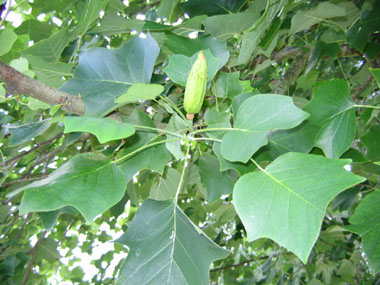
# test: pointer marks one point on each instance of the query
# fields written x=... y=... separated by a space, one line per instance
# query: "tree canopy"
x=104 y=180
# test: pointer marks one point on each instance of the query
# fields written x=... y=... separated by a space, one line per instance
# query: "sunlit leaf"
x=287 y=201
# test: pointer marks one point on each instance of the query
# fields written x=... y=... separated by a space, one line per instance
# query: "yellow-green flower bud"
x=196 y=86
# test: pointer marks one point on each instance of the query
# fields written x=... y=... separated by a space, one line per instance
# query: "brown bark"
x=18 y=83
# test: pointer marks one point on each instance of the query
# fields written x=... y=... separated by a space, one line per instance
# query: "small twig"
x=31 y=262
x=360 y=89
x=239 y=264
x=285 y=53
x=31 y=150
x=5 y=185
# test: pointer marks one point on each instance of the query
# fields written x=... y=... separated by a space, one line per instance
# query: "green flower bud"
x=196 y=86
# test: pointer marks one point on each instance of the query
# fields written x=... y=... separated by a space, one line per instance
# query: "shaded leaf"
x=366 y=222
x=154 y=158
x=305 y=19
x=332 y=109
x=166 y=248
x=89 y=182
x=376 y=73
x=287 y=201
x=222 y=27
x=50 y=49
x=47 y=250
x=105 y=129
x=217 y=183
x=372 y=143
x=211 y=7
x=35 y=29
x=23 y=133
x=187 y=46
x=241 y=168
x=167 y=185
x=228 y=85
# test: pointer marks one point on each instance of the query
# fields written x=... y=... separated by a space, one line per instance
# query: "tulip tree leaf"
x=376 y=73
x=366 y=223
x=257 y=116
x=7 y=39
x=103 y=74
x=166 y=247
x=179 y=67
x=287 y=201
x=90 y=182
x=332 y=109
x=216 y=182
x=139 y=92
x=105 y=129
x=154 y=157
x=305 y=19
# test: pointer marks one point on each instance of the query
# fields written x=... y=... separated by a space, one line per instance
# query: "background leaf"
x=305 y=19
x=365 y=222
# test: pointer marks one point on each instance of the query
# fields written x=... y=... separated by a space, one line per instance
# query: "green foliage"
x=260 y=188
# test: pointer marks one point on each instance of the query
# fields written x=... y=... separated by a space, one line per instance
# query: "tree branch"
x=292 y=74
x=18 y=83
x=31 y=262
x=361 y=88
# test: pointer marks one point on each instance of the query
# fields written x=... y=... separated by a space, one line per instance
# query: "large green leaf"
x=166 y=248
x=257 y=116
x=103 y=75
x=305 y=19
x=105 y=129
x=216 y=182
x=89 y=182
x=287 y=201
x=366 y=223
x=332 y=109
